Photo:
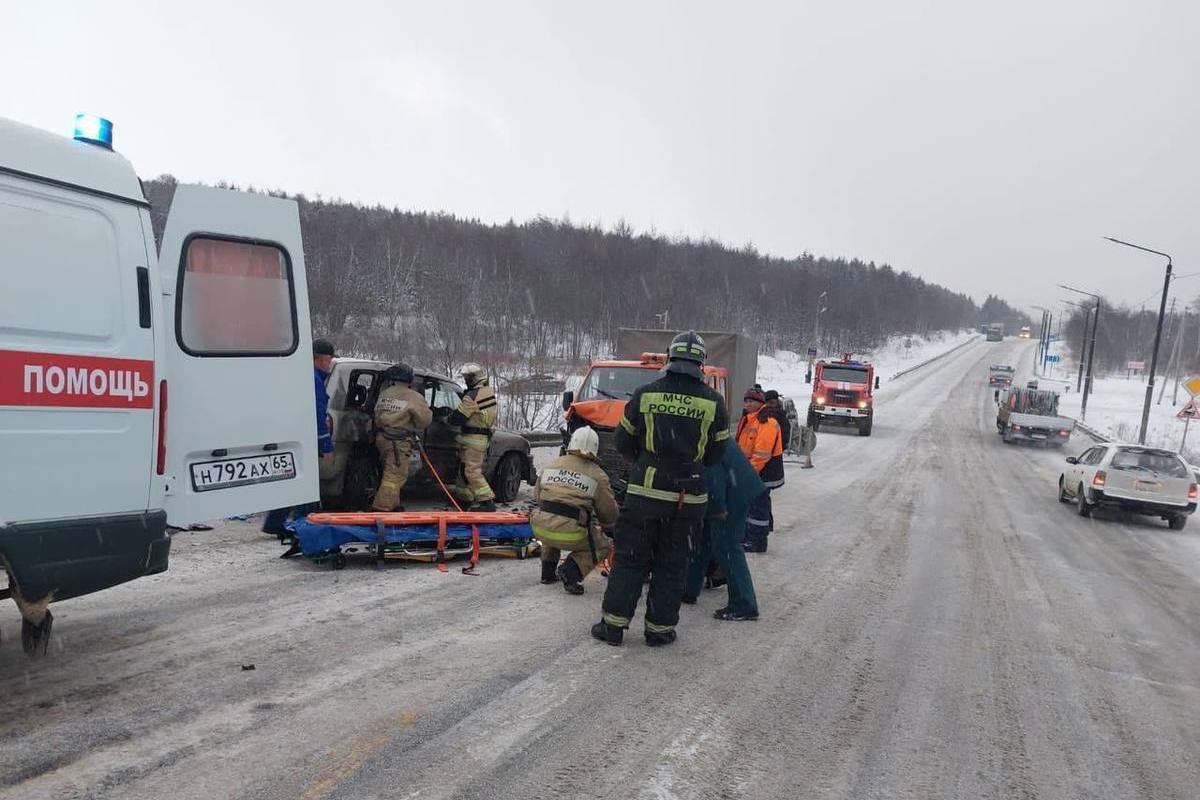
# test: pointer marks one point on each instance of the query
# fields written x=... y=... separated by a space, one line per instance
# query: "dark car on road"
x=351 y=479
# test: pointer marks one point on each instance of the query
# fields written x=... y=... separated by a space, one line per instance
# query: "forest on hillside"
x=1127 y=334
x=440 y=290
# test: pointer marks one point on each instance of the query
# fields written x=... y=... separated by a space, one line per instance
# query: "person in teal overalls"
x=732 y=486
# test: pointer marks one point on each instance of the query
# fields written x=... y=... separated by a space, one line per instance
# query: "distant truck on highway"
x=995 y=332
x=641 y=356
x=1025 y=333
x=843 y=393
x=1027 y=414
x=1000 y=376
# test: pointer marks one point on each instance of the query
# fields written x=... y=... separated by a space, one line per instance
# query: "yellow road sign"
x=1192 y=385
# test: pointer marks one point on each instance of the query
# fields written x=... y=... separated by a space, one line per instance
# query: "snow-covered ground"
x=1115 y=409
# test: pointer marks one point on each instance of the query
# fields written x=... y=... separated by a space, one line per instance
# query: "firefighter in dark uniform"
x=672 y=428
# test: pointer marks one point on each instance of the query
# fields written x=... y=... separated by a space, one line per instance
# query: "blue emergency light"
x=93 y=130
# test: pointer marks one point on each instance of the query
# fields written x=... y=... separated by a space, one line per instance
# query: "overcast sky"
x=983 y=146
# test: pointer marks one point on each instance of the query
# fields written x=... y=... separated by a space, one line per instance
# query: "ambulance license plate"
x=230 y=472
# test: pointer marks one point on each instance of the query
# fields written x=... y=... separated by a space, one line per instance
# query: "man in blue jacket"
x=323 y=353
x=733 y=485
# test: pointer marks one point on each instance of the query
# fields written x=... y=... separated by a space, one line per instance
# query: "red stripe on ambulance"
x=56 y=379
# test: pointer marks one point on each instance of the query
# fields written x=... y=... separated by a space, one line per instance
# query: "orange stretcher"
x=441 y=519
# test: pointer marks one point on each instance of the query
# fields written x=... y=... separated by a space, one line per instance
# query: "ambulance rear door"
x=240 y=432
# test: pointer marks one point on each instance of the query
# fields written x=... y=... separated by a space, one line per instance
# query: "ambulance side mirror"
x=568 y=398
x=876 y=381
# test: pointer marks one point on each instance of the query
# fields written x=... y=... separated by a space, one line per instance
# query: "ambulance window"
x=235 y=299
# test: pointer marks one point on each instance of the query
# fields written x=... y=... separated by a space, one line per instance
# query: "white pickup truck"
x=1025 y=414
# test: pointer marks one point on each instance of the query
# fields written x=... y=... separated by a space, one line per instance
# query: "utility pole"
x=1162 y=310
x=1179 y=358
x=817 y=319
x=1041 y=348
x=1087 y=386
x=1046 y=349
x=1087 y=316
x=1170 y=358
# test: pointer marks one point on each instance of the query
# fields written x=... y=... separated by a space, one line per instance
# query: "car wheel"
x=1063 y=497
x=864 y=428
x=1177 y=522
x=506 y=482
x=1081 y=502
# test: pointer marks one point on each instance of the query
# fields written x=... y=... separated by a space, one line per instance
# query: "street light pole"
x=812 y=361
x=817 y=324
x=1091 y=355
x=1037 y=363
x=1162 y=310
x=1046 y=349
x=1087 y=317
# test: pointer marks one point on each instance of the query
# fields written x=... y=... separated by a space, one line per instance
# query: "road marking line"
x=361 y=750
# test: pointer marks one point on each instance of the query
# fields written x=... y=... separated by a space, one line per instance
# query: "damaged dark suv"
x=351 y=479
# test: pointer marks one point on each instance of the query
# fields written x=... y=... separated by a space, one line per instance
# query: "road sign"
x=1192 y=385
x=1052 y=358
x=812 y=353
x=1135 y=365
x=1190 y=411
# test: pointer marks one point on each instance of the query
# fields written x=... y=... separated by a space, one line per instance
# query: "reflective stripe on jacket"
x=476 y=414
x=761 y=441
x=577 y=481
x=671 y=429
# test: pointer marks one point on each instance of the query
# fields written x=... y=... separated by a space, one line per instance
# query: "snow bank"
x=1115 y=409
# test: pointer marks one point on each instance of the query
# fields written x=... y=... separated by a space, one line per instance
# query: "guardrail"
x=543 y=438
x=1091 y=432
x=929 y=361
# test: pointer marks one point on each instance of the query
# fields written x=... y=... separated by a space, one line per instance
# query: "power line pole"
x=1179 y=366
x=1087 y=386
x=1173 y=358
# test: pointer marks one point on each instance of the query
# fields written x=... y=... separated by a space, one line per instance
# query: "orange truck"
x=843 y=392
x=608 y=384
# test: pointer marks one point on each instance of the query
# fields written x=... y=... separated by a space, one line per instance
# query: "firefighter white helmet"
x=473 y=374
x=584 y=441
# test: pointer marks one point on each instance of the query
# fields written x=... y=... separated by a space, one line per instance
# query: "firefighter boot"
x=571 y=577
x=659 y=638
x=483 y=505
x=549 y=572
x=608 y=633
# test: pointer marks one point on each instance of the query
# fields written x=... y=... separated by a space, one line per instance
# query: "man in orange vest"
x=761 y=441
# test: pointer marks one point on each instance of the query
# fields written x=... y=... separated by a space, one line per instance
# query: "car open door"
x=238 y=393
x=440 y=437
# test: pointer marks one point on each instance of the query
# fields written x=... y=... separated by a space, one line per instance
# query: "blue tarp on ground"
x=316 y=539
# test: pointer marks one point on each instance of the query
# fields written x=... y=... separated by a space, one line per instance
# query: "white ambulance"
x=138 y=387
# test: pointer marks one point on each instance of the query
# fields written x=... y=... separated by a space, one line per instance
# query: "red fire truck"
x=843 y=394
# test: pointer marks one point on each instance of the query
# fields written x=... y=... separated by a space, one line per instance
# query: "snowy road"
x=934 y=625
